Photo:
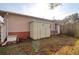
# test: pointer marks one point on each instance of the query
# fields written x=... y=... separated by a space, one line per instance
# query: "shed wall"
x=39 y=30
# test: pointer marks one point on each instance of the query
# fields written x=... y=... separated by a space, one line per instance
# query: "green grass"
x=3 y=50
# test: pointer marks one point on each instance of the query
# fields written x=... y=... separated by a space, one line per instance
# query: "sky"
x=42 y=10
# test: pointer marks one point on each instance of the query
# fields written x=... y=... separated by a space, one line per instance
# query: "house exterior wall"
x=55 y=28
x=20 y=25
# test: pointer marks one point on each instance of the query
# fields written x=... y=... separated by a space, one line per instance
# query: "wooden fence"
x=71 y=29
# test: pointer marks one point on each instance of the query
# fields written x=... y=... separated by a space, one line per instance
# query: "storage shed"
x=39 y=29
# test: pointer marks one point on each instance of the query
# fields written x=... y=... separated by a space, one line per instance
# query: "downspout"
x=7 y=23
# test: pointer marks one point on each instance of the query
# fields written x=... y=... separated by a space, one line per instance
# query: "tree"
x=71 y=18
x=52 y=5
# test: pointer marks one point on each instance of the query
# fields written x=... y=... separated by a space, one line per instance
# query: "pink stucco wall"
x=18 y=23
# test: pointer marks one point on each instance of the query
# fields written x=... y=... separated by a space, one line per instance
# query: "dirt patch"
x=48 y=46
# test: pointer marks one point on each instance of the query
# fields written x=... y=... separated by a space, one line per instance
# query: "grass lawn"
x=46 y=46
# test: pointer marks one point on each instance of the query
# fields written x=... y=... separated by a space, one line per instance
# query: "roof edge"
x=25 y=15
